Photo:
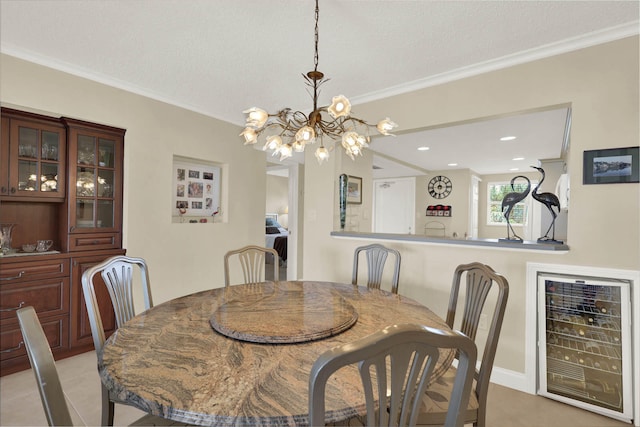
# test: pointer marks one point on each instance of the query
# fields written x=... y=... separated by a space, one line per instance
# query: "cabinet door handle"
x=13 y=308
x=13 y=190
x=3 y=190
x=9 y=350
x=14 y=277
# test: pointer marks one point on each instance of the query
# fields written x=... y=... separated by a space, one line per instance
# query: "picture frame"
x=611 y=166
x=354 y=190
x=196 y=188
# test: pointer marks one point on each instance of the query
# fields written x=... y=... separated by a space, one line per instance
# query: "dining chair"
x=44 y=368
x=480 y=280
x=376 y=255
x=395 y=366
x=253 y=260
x=43 y=365
x=118 y=275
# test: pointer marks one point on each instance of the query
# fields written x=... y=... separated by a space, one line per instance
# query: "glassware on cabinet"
x=86 y=150
x=85 y=182
x=106 y=150
x=6 y=236
x=105 y=183
x=28 y=142
x=27 y=175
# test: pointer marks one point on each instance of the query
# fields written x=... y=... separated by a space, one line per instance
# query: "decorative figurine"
x=343 y=200
x=549 y=200
x=509 y=201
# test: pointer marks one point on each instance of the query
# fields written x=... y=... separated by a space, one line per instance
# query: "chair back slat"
x=253 y=260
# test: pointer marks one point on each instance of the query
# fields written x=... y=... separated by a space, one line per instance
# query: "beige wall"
x=601 y=83
x=278 y=197
x=183 y=258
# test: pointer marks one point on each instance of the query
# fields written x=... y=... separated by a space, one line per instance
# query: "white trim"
x=512 y=379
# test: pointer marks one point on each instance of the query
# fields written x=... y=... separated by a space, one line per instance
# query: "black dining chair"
x=395 y=366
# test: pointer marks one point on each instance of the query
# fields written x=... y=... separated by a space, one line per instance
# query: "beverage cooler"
x=584 y=334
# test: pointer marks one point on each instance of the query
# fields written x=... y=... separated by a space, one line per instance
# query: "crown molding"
x=530 y=55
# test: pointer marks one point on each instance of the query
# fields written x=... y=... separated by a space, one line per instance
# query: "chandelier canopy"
x=298 y=129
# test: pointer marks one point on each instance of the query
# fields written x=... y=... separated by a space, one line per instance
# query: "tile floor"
x=20 y=403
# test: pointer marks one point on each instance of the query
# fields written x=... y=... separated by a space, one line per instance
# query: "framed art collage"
x=196 y=188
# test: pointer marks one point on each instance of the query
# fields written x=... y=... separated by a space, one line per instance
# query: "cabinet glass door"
x=95 y=182
x=38 y=165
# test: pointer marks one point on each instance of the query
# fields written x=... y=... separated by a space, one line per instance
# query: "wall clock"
x=440 y=187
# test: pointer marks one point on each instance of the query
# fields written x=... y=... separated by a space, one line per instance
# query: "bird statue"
x=549 y=200
x=508 y=203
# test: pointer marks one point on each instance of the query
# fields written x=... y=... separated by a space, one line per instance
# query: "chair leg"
x=107 y=408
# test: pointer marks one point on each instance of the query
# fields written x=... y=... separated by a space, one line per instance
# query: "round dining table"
x=241 y=355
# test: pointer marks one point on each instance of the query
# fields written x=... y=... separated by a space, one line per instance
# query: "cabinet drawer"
x=12 y=345
x=42 y=269
x=48 y=297
x=95 y=241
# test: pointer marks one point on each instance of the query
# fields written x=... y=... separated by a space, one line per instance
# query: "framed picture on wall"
x=354 y=190
x=196 y=187
x=611 y=166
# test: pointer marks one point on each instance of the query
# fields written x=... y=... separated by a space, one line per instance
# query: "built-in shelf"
x=414 y=238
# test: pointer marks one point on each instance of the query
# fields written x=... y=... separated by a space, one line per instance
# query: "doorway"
x=394 y=205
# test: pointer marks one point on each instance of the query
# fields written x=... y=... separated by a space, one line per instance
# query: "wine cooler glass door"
x=584 y=343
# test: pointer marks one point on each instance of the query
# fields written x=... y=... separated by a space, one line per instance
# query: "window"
x=495 y=193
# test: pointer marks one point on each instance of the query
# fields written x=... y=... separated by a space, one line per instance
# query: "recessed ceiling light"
x=423 y=148
x=514 y=169
x=518 y=158
x=452 y=164
x=507 y=138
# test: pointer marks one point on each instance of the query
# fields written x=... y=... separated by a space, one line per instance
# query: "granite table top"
x=169 y=361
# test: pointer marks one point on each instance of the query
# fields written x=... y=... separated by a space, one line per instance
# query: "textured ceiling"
x=220 y=57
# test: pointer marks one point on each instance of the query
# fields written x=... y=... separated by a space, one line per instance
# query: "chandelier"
x=288 y=131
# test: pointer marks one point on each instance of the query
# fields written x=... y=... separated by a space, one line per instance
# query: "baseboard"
x=507 y=378
x=512 y=379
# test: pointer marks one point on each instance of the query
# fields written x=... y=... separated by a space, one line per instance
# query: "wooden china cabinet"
x=61 y=179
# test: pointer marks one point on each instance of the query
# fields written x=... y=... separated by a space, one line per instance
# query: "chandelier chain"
x=315 y=57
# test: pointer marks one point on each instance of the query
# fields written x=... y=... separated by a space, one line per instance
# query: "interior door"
x=394 y=205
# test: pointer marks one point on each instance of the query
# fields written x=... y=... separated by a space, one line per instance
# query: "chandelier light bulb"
x=256 y=117
x=306 y=134
x=273 y=143
x=385 y=126
x=285 y=152
x=250 y=136
x=322 y=154
x=349 y=139
x=340 y=107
